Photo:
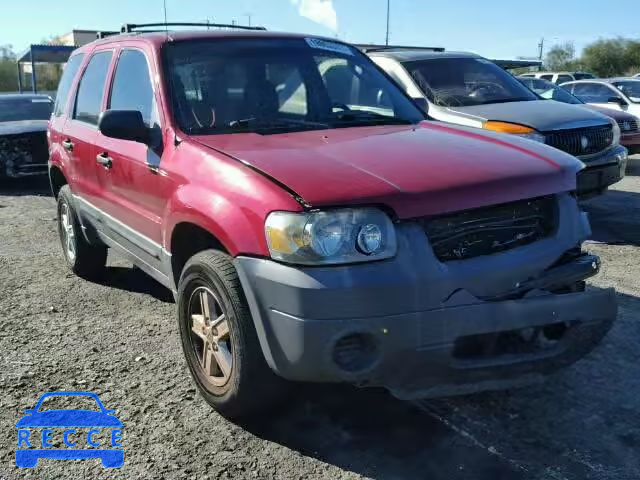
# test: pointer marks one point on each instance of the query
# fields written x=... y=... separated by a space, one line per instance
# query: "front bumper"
x=423 y=328
x=23 y=155
x=632 y=142
x=602 y=171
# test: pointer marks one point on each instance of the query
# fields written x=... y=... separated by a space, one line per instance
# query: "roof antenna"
x=166 y=27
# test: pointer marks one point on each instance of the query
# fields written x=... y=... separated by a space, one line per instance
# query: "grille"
x=581 y=141
x=628 y=126
x=485 y=231
x=25 y=148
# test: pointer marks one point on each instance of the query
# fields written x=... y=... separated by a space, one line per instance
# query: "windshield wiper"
x=367 y=117
x=506 y=100
x=276 y=123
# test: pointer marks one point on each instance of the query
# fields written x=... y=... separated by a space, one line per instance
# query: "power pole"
x=388 y=9
x=248 y=15
x=541 y=48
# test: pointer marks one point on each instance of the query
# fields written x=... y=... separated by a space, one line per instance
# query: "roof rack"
x=105 y=34
x=132 y=27
x=366 y=48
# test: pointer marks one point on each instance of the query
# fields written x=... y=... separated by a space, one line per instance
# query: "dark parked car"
x=629 y=124
x=313 y=225
x=23 y=134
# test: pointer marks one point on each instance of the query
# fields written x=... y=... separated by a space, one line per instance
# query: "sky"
x=493 y=28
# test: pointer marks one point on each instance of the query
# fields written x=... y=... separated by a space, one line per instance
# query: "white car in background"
x=617 y=93
x=560 y=77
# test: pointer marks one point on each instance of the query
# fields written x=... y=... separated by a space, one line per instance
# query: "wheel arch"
x=57 y=179
x=187 y=239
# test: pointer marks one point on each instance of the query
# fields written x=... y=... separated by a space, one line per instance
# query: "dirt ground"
x=119 y=339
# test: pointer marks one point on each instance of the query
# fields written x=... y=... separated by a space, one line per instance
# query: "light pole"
x=388 y=10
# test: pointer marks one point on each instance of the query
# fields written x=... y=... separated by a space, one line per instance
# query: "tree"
x=607 y=58
x=632 y=58
x=8 y=69
x=561 y=57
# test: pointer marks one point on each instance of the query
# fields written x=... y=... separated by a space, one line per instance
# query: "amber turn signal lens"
x=504 y=127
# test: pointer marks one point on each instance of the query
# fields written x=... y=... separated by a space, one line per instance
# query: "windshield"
x=15 y=109
x=279 y=85
x=630 y=88
x=461 y=82
x=549 y=91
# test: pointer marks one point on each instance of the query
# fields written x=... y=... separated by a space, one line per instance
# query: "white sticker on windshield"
x=40 y=100
x=328 y=45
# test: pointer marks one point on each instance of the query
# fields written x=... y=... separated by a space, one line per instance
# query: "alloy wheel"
x=210 y=336
x=68 y=232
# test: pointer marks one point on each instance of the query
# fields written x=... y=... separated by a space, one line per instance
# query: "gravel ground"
x=120 y=340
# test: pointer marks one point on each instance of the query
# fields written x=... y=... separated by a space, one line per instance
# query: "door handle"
x=67 y=144
x=105 y=160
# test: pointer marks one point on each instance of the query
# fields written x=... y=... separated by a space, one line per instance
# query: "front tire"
x=84 y=259
x=219 y=339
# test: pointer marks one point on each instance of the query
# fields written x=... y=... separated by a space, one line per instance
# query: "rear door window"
x=69 y=73
x=91 y=88
x=547 y=77
x=132 y=89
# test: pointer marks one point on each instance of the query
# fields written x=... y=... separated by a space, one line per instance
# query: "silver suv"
x=469 y=90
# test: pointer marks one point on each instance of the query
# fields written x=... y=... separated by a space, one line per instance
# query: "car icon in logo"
x=95 y=421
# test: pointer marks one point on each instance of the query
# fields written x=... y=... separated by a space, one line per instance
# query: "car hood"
x=428 y=169
x=69 y=418
x=543 y=115
x=23 y=126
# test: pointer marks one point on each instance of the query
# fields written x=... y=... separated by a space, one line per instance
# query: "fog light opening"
x=356 y=352
x=555 y=332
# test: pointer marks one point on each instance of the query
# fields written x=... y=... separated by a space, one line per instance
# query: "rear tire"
x=84 y=259
x=215 y=325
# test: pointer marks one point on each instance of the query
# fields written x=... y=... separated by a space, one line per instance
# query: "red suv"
x=312 y=224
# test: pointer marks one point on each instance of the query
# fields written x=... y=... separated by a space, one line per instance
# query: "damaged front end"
x=484 y=299
x=23 y=154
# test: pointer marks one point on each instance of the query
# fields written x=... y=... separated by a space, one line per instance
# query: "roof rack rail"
x=132 y=27
x=105 y=34
x=366 y=48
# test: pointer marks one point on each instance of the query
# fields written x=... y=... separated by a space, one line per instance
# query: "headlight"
x=616 y=133
x=514 y=129
x=329 y=237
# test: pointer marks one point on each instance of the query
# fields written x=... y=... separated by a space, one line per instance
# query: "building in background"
x=76 y=38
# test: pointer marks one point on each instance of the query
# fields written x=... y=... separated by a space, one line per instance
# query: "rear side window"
x=547 y=77
x=91 y=88
x=132 y=88
x=69 y=73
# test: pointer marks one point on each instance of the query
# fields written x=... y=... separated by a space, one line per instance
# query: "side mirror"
x=422 y=104
x=619 y=100
x=125 y=125
x=109 y=411
x=30 y=410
